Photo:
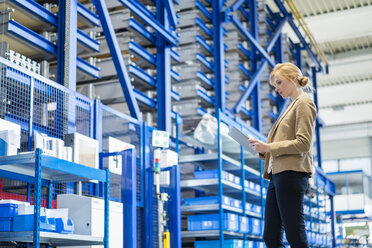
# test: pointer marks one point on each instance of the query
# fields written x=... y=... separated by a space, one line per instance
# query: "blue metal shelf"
x=37 y=166
x=54 y=239
x=87 y=16
x=54 y=169
x=214 y=208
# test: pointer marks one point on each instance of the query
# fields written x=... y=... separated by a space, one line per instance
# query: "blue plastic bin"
x=212 y=222
x=236 y=203
x=227 y=243
x=208 y=174
x=243 y=224
x=259 y=244
x=26 y=223
x=249 y=244
x=6 y=224
x=8 y=210
x=254 y=226
x=62 y=227
x=206 y=200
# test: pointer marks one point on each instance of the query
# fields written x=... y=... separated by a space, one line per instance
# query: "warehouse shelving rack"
x=35 y=167
x=218 y=159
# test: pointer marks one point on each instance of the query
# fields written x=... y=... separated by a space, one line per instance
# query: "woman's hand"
x=259 y=146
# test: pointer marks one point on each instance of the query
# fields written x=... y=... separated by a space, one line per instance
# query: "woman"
x=288 y=160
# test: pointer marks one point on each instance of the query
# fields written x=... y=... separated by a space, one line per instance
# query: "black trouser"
x=284 y=210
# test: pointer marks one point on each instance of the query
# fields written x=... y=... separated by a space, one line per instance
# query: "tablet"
x=241 y=138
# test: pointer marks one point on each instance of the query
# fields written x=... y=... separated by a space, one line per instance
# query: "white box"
x=10 y=135
x=87 y=213
x=67 y=153
x=84 y=149
x=51 y=146
x=115 y=162
x=167 y=158
x=24 y=209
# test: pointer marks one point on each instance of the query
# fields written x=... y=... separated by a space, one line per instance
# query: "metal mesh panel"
x=83 y=116
x=51 y=114
x=127 y=131
x=49 y=104
x=15 y=99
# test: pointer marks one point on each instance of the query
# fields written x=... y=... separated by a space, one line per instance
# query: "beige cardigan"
x=291 y=139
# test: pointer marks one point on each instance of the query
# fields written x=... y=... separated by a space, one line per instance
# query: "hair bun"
x=304 y=81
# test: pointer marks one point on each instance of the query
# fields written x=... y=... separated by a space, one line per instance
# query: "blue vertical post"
x=37 y=198
x=279 y=49
x=142 y=165
x=50 y=194
x=220 y=188
x=317 y=124
x=256 y=94
x=242 y=172
x=97 y=123
x=298 y=55
x=107 y=210
x=67 y=49
x=31 y=114
x=218 y=56
x=163 y=78
x=97 y=134
x=30 y=128
x=333 y=221
x=177 y=134
x=175 y=206
x=146 y=215
x=128 y=196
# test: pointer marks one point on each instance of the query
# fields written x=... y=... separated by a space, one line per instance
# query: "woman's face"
x=283 y=86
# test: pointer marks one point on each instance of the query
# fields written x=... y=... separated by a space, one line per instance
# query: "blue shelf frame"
x=49 y=170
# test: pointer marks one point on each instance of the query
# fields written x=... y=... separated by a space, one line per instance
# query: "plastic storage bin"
x=254 y=226
x=212 y=222
x=26 y=223
x=259 y=244
x=243 y=224
x=8 y=210
x=227 y=243
x=249 y=244
x=236 y=203
x=6 y=224
x=206 y=200
x=208 y=174
x=62 y=227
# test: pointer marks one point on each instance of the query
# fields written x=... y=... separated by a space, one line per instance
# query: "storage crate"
x=63 y=227
x=26 y=223
x=256 y=209
x=236 y=203
x=259 y=244
x=243 y=224
x=237 y=180
x=6 y=224
x=8 y=210
x=212 y=222
x=206 y=200
x=249 y=244
x=208 y=174
x=227 y=243
x=254 y=226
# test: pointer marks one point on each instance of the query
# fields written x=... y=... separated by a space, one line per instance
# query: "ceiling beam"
x=326 y=27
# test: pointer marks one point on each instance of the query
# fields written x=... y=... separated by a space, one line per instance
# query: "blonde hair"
x=289 y=71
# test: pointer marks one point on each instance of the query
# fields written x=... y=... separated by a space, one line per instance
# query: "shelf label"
x=160 y=139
